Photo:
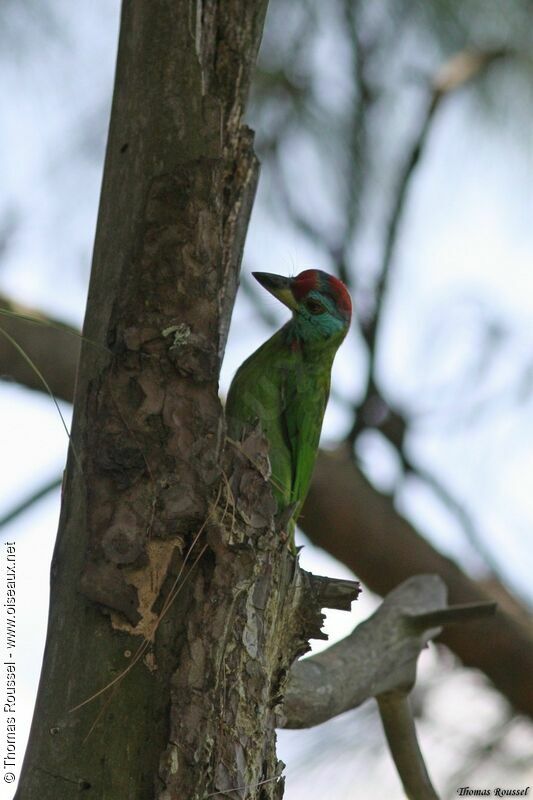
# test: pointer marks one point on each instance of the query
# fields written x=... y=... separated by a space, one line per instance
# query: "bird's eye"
x=315 y=307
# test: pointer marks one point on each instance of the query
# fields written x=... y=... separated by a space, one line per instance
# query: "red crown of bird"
x=316 y=280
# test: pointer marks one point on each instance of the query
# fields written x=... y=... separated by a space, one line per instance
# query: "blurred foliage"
x=344 y=109
x=341 y=96
x=26 y=24
x=344 y=106
x=338 y=77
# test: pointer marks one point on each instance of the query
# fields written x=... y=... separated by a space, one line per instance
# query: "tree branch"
x=378 y=656
x=378 y=659
x=399 y=726
x=356 y=524
x=28 y=502
x=52 y=345
x=350 y=519
x=457 y=71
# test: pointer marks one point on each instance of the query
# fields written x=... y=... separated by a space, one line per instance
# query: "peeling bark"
x=175 y=611
x=359 y=526
x=379 y=659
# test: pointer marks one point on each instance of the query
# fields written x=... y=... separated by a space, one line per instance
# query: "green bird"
x=284 y=385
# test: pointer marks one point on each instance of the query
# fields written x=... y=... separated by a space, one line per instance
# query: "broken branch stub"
x=378 y=659
x=380 y=655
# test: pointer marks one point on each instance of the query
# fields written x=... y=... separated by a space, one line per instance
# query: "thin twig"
x=28 y=502
x=357 y=137
x=46 y=385
x=400 y=731
x=47 y=322
x=244 y=788
x=460 y=69
x=452 y=614
x=371 y=328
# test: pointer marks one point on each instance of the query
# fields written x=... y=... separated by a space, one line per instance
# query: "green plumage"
x=284 y=386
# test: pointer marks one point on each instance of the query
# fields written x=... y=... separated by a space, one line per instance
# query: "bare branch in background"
x=353 y=167
x=356 y=174
x=373 y=410
x=399 y=727
x=345 y=515
x=462 y=67
x=394 y=426
x=378 y=659
x=350 y=519
x=28 y=502
x=51 y=346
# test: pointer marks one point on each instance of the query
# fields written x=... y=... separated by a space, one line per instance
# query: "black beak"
x=277 y=285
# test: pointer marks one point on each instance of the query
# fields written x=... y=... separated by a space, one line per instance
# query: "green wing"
x=304 y=400
x=255 y=396
x=288 y=397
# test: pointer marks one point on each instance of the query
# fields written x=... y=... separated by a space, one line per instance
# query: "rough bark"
x=176 y=609
x=363 y=529
x=153 y=566
x=348 y=517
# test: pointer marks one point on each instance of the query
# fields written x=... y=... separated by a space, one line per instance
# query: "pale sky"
x=465 y=254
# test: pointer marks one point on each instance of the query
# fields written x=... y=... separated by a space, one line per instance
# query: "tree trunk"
x=176 y=610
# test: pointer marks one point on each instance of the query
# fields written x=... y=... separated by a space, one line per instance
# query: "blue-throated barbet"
x=284 y=385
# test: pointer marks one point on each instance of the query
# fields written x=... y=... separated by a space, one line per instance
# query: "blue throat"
x=320 y=328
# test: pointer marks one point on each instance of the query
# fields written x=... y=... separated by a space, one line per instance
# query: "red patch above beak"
x=304 y=283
